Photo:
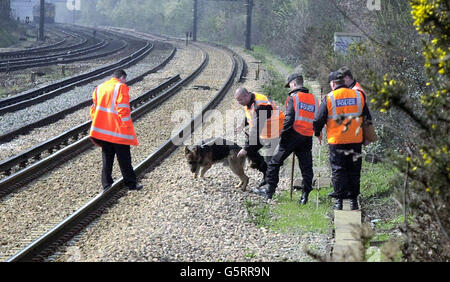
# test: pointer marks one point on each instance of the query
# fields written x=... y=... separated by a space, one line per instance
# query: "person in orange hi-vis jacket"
x=342 y=112
x=296 y=137
x=112 y=128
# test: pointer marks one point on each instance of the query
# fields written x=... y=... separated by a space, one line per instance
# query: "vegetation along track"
x=83 y=170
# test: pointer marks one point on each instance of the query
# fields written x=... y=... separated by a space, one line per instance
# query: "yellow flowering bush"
x=426 y=162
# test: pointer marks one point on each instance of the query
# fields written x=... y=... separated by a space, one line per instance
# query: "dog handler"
x=296 y=137
x=112 y=128
x=265 y=121
x=343 y=111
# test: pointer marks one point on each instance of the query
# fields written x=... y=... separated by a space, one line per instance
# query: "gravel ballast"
x=178 y=218
x=34 y=137
x=31 y=210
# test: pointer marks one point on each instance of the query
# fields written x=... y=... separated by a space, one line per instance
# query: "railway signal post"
x=248 y=31
x=41 y=21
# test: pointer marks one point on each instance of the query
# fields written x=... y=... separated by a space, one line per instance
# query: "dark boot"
x=338 y=204
x=137 y=187
x=263 y=181
x=304 y=198
x=354 y=204
x=267 y=191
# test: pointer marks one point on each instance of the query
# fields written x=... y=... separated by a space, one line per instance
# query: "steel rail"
x=63 y=59
x=21 y=101
x=55 y=117
x=61 y=55
x=27 y=54
x=35 y=170
x=45 y=48
x=45 y=245
x=78 y=133
x=36 y=49
x=35 y=152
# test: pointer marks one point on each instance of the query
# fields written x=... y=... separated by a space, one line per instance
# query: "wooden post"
x=292 y=174
x=318 y=178
x=257 y=73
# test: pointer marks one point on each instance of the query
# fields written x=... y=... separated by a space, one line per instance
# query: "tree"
x=425 y=163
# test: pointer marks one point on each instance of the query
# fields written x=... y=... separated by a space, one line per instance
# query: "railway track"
x=36 y=50
x=74 y=55
x=35 y=96
x=16 y=166
x=79 y=40
x=67 y=52
x=64 y=230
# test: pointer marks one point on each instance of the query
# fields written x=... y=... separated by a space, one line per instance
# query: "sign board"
x=343 y=40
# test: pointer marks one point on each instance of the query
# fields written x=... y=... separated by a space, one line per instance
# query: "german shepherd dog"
x=209 y=152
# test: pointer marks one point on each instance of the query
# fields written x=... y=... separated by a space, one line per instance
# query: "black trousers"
x=109 y=150
x=345 y=160
x=258 y=161
x=301 y=146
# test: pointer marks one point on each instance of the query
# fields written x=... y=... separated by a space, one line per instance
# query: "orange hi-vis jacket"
x=344 y=103
x=111 y=114
x=274 y=124
x=358 y=87
x=305 y=107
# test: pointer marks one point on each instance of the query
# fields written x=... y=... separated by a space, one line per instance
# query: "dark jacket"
x=288 y=125
x=258 y=125
x=322 y=116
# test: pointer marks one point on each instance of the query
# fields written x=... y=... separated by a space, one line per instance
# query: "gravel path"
x=31 y=210
x=161 y=51
x=178 y=218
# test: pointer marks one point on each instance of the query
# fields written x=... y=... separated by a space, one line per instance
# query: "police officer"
x=112 y=128
x=350 y=82
x=265 y=121
x=296 y=137
x=343 y=111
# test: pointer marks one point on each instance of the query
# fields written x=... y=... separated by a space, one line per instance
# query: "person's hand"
x=95 y=143
x=319 y=138
x=242 y=153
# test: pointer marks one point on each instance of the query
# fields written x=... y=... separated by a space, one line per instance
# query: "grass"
x=377 y=186
x=376 y=180
x=6 y=39
x=377 y=190
x=10 y=32
x=289 y=216
x=275 y=88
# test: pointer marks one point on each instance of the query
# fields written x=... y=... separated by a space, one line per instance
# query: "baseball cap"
x=336 y=75
x=346 y=71
x=292 y=77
